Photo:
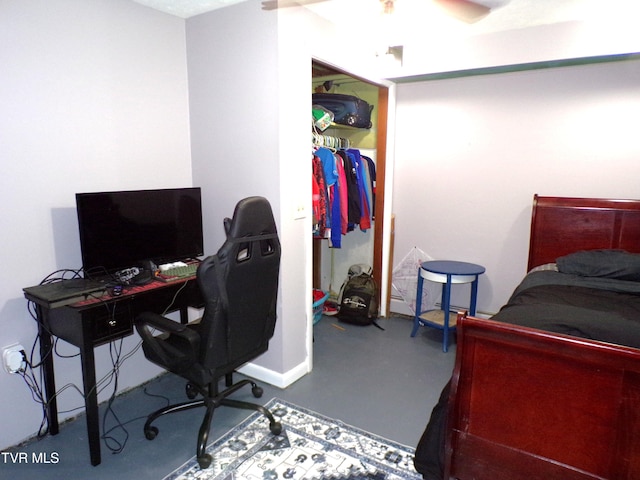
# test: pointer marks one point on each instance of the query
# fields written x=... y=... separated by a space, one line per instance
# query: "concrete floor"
x=383 y=382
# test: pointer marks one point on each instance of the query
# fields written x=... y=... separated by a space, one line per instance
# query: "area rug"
x=311 y=446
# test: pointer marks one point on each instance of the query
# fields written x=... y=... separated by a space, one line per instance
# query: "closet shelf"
x=340 y=126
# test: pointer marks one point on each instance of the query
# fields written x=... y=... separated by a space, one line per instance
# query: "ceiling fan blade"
x=275 y=4
x=464 y=10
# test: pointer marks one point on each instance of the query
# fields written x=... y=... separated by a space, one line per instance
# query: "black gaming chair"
x=239 y=285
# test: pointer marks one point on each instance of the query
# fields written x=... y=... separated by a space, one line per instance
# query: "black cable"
x=115 y=351
x=60 y=355
x=28 y=375
x=107 y=433
x=38 y=397
x=156 y=395
x=51 y=279
x=36 y=341
x=141 y=417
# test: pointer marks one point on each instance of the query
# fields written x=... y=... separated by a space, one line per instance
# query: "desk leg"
x=46 y=357
x=91 y=402
x=416 y=318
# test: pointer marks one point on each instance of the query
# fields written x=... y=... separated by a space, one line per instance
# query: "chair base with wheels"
x=211 y=399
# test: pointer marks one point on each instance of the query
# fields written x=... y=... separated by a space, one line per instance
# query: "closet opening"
x=359 y=245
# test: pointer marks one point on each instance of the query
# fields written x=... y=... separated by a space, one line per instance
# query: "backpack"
x=359 y=297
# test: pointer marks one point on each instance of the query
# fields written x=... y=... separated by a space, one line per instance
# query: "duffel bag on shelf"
x=347 y=109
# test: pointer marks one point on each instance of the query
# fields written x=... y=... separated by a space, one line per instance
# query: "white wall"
x=94 y=97
x=303 y=37
x=249 y=102
x=471 y=153
x=235 y=97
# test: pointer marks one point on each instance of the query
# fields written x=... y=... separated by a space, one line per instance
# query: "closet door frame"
x=382 y=109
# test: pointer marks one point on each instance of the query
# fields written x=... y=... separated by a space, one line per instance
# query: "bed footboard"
x=529 y=404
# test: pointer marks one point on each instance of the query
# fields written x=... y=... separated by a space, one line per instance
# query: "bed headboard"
x=563 y=225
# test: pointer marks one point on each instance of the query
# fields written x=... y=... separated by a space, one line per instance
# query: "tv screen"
x=123 y=229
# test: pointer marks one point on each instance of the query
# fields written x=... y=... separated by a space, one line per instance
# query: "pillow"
x=616 y=264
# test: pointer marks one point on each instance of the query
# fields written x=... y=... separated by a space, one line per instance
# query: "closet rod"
x=329 y=141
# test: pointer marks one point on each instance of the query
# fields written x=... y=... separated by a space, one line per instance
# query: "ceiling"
x=506 y=14
x=423 y=24
x=187 y=8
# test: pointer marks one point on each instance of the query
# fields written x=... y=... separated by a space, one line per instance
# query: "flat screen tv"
x=124 y=229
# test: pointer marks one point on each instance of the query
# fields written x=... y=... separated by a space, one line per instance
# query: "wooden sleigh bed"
x=549 y=388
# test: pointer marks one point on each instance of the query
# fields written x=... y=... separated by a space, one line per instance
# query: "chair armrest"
x=161 y=323
x=176 y=348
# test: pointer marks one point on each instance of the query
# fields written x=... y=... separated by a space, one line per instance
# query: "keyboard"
x=178 y=273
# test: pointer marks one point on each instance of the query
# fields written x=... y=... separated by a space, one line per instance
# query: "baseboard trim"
x=400 y=306
x=280 y=380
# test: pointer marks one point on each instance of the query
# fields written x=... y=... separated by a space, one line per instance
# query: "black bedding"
x=595 y=308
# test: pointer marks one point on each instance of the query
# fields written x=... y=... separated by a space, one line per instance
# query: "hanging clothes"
x=322 y=201
x=365 y=209
x=331 y=176
x=372 y=176
x=344 y=197
x=343 y=193
x=353 y=190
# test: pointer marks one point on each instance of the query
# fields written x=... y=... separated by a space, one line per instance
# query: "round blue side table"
x=446 y=272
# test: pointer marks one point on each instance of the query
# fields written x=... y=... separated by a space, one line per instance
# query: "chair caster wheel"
x=204 y=461
x=191 y=391
x=276 y=428
x=257 y=391
x=151 y=433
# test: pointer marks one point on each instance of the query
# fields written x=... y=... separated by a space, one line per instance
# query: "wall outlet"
x=14 y=358
x=299 y=212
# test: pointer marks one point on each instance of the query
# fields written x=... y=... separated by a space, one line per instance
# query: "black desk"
x=93 y=322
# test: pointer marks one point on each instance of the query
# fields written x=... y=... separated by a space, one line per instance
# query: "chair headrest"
x=252 y=216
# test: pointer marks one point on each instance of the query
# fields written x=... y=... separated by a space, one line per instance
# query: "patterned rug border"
x=393 y=468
